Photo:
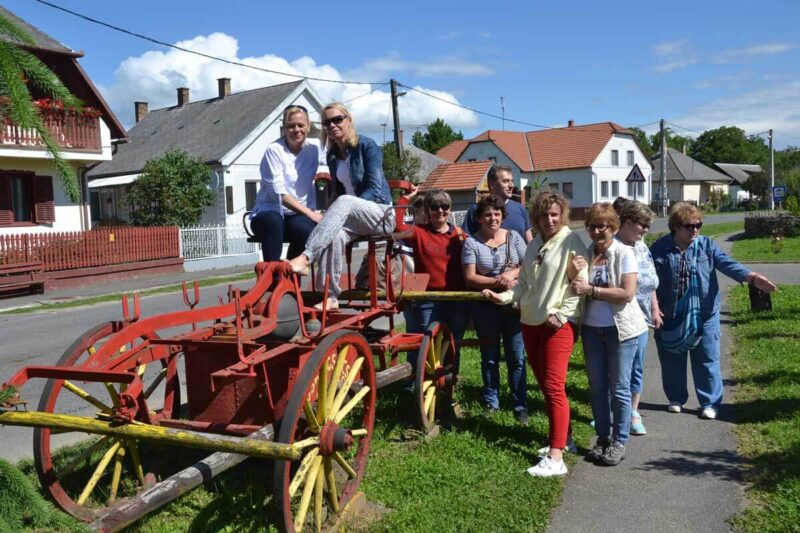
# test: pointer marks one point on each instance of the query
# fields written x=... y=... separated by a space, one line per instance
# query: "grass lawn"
x=761 y=250
x=767 y=375
x=469 y=479
x=709 y=230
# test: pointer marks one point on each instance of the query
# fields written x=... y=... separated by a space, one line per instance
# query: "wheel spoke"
x=311 y=418
x=305 y=443
x=438 y=354
x=346 y=467
x=318 y=499
x=302 y=470
x=430 y=357
x=340 y=361
x=443 y=353
x=80 y=393
x=427 y=384
x=117 y=474
x=136 y=460
x=351 y=404
x=156 y=382
x=113 y=393
x=82 y=457
x=430 y=395
x=333 y=493
x=322 y=393
x=305 y=499
x=98 y=472
x=432 y=407
x=359 y=432
x=340 y=396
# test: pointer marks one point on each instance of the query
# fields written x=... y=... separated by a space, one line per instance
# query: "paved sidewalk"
x=685 y=474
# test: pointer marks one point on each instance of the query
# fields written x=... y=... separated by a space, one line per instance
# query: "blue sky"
x=699 y=64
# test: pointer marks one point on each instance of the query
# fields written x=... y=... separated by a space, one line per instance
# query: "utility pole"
x=503 y=111
x=396 y=120
x=771 y=173
x=663 y=168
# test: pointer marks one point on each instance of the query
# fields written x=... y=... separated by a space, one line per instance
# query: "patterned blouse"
x=647 y=280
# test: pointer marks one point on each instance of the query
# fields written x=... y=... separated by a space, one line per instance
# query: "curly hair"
x=602 y=213
x=541 y=204
x=490 y=201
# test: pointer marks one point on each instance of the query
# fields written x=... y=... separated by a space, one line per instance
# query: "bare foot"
x=300 y=264
x=333 y=303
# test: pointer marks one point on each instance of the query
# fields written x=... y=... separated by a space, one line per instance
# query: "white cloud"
x=672 y=55
x=669 y=48
x=154 y=76
x=675 y=64
x=741 y=54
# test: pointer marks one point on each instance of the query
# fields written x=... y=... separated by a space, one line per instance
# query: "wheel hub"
x=333 y=438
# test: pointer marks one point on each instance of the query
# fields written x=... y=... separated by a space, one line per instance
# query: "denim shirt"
x=366 y=172
x=666 y=256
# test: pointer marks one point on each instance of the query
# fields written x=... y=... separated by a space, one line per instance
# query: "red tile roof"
x=512 y=143
x=571 y=147
x=452 y=151
x=457 y=176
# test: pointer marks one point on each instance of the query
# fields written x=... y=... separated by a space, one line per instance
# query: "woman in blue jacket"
x=688 y=294
x=363 y=205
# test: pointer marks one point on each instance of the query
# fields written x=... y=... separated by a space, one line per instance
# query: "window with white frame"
x=640 y=189
x=614 y=158
x=630 y=158
x=603 y=189
x=566 y=189
x=250 y=193
x=614 y=189
x=631 y=188
x=636 y=186
x=26 y=199
x=554 y=187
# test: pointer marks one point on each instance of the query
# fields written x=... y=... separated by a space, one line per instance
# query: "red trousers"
x=548 y=354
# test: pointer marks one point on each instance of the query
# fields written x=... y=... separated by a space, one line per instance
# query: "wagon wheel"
x=435 y=377
x=334 y=425
x=78 y=479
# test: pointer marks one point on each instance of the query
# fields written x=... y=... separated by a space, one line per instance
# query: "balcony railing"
x=71 y=132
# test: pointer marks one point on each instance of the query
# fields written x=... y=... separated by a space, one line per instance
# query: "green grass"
x=709 y=230
x=471 y=478
x=767 y=375
x=762 y=250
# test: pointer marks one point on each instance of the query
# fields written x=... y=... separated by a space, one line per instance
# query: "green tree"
x=20 y=73
x=729 y=144
x=173 y=189
x=787 y=161
x=438 y=134
x=644 y=143
x=674 y=141
x=395 y=168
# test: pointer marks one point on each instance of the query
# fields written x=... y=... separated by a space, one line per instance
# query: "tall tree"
x=438 y=134
x=395 y=168
x=21 y=71
x=674 y=141
x=643 y=142
x=729 y=144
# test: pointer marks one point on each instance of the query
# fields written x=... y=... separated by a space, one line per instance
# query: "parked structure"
x=32 y=199
x=462 y=181
x=228 y=132
x=689 y=180
x=739 y=174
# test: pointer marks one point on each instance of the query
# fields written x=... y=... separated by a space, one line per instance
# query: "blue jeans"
x=608 y=364
x=493 y=324
x=454 y=314
x=272 y=228
x=706 y=370
x=637 y=373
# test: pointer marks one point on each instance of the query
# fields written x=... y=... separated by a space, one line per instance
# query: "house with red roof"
x=461 y=181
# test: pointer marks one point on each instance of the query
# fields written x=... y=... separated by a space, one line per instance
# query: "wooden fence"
x=95 y=248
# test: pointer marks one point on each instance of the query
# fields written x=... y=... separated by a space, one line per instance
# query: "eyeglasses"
x=596 y=227
x=338 y=119
x=690 y=227
x=436 y=207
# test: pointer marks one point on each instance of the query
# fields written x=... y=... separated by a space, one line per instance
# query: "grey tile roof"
x=428 y=161
x=43 y=41
x=682 y=167
x=739 y=172
x=207 y=129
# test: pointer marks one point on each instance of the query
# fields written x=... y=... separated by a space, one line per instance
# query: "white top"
x=343 y=175
x=599 y=313
x=283 y=172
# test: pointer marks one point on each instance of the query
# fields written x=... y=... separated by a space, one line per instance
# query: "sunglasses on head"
x=690 y=227
x=596 y=227
x=436 y=207
x=295 y=106
x=338 y=119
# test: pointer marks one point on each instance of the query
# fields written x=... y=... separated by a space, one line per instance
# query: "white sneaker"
x=674 y=407
x=548 y=467
x=709 y=413
x=545 y=451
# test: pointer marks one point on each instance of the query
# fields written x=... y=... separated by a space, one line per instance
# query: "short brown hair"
x=682 y=213
x=542 y=202
x=636 y=212
x=494 y=169
x=490 y=201
x=602 y=213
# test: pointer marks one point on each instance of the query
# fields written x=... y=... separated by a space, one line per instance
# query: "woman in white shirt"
x=284 y=209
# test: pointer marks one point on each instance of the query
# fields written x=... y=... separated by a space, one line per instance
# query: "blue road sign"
x=778 y=193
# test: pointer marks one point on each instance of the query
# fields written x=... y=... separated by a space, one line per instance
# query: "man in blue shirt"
x=501 y=183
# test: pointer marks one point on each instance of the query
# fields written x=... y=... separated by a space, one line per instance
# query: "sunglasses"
x=690 y=227
x=596 y=227
x=338 y=119
x=436 y=207
x=295 y=106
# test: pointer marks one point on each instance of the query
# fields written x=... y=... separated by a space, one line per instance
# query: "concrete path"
x=684 y=475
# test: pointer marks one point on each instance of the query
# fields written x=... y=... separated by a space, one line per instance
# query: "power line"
x=366 y=94
x=201 y=54
x=683 y=127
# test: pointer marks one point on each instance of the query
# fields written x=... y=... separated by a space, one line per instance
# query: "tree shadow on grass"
x=721 y=464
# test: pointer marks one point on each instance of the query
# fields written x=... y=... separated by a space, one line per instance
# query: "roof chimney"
x=224 y=85
x=140 y=110
x=183 y=96
x=570 y=123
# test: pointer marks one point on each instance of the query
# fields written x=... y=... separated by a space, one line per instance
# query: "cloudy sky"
x=691 y=63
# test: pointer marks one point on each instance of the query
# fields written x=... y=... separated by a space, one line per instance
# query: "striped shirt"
x=489 y=261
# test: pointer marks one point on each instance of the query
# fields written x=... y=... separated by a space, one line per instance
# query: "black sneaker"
x=522 y=417
x=598 y=450
x=615 y=453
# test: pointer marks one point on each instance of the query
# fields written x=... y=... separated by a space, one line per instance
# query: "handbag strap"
x=508 y=251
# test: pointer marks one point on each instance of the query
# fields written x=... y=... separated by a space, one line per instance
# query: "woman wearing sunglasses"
x=284 y=208
x=363 y=201
x=688 y=294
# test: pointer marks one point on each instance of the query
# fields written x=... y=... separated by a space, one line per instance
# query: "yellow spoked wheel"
x=330 y=415
x=435 y=376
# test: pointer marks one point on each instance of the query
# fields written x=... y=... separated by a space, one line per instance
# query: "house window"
x=631 y=186
x=554 y=187
x=614 y=189
x=566 y=188
x=630 y=158
x=603 y=189
x=640 y=188
x=229 y=199
x=614 y=158
x=26 y=199
x=250 y=192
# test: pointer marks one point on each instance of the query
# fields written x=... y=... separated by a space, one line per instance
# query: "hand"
x=492 y=296
x=508 y=276
x=578 y=263
x=412 y=192
x=581 y=286
x=763 y=283
x=553 y=322
x=658 y=318
x=316 y=217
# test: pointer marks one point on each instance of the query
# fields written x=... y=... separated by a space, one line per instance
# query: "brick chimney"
x=224 y=85
x=140 y=110
x=570 y=123
x=183 y=96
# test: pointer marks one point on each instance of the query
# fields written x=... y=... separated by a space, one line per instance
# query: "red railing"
x=71 y=132
x=98 y=247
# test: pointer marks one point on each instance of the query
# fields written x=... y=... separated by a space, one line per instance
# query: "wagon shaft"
x=176 y=437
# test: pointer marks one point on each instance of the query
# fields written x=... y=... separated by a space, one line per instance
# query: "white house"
x=32 y=199
x=229 y=132
x=689 y=180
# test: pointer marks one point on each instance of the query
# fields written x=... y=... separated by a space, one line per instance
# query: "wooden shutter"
x=44 y=207
x=6 y=208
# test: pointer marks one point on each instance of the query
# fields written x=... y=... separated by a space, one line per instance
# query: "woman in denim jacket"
x=688 y=294
x=363 y=203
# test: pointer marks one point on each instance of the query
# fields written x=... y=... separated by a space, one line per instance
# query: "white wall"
x=482 y=151
x=581 y=179
x=605 y=171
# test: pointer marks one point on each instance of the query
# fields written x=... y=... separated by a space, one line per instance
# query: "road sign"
x=635 y=175
x=779 y=192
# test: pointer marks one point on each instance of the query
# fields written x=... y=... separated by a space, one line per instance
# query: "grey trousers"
x=348 y=218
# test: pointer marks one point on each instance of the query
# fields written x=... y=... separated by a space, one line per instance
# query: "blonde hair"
x=541 y=204
x=682 y=213
x=602 y=213
x=352 y=138
x=636 y=212
x=291 y=110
